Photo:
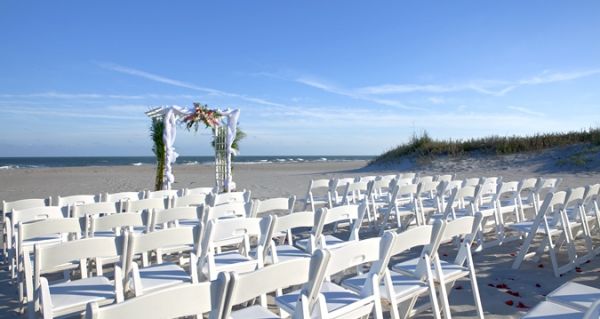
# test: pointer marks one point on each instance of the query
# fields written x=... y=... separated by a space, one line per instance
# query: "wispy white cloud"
x=525 y=110
x=54 y=112
x=436 y=100
x=489 y=87
x=330 y=88
x=182 y=84
x=94 y=96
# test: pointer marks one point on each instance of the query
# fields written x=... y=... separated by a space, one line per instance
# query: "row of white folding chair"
x=69 y=297
x=356 y=297
x=563 y=214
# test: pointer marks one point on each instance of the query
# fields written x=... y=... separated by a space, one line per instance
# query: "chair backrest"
x=315 y=184
x=226 y=198
x=291 y=221
x=465 y=228
x=547 y=185
x=474 y=181
x=227 y=211
x=147 y=205
x=36 y=213
x=84 y=210
x=174 y=215
x=7 y=207
x=575 y=197
x=173 y=302
x=282 y=204
x=426 y=179
x=50 y=258
x=167 y=193
x=357 y=191
x=367 y=178
x=122 y=196
x=230 y=231
x=592 y=193
x=407 y=175
x=353 y=254
x=32 y=230
x=280 y=275
x=189 y=200
x=115 y=222
x=507 y=190
x=75 y=200
x=199 y=191
x=143 y=243
x=445 y=178
x=427 y=188
x=428 y=237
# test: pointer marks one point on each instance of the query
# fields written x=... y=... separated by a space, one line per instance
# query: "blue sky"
x=310 y=77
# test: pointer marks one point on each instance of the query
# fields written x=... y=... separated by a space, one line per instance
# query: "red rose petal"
x=509 y=302
x=522 y=305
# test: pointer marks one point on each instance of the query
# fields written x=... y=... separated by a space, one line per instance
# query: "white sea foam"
x=137 y=164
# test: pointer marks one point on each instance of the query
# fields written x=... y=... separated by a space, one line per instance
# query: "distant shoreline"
x=8 y=163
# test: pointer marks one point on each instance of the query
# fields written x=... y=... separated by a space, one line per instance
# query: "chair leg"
x=475 y=287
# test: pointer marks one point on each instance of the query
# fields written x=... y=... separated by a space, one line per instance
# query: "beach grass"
x=424 y=147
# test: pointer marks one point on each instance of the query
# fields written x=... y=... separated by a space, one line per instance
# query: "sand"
x=285 y=179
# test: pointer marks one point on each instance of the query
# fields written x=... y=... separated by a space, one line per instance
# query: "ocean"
x=33 y=162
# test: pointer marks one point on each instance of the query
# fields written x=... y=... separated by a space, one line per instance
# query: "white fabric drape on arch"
x=232 y=121
x=169 y=134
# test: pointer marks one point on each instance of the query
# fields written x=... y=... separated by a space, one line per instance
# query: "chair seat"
x=547 y=309
x=42 y=240
x=162 y=275
x=572 y=294
x=337 y=297
x=231 y=261
x=450 y=271
x=254 y=312
x=404 y=286
x=72 y=296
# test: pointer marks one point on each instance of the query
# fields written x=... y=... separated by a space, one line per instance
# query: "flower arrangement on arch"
x=203 y=114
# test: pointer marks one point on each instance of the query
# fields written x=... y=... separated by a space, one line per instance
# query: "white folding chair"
x=247 y=286
x=275 y=253
x=70 y=298
x=152 y=277
x=332 y=300
x=446 y=273
x=68 y=202
x=504 y=202
x=273 y=205
x=173 y=302
x=24 y=216
x=549 y=224
x=403 y=206
x=178 y=216
x=527 y=199
x=84 y=213
x=231 y=232
x=338 y=188
x=319 y=193
x=401 y=291
x=122 y=197
x=146 y=207
x=352 y=213
x=42 y=232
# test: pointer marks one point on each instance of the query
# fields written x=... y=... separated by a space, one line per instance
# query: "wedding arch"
x=223 y=124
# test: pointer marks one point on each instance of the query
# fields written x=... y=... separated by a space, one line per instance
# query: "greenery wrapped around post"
x=156 y=132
